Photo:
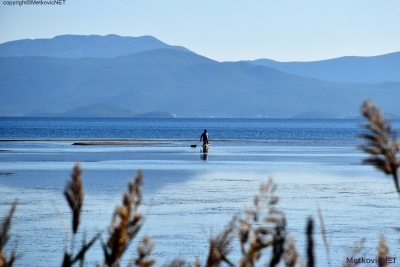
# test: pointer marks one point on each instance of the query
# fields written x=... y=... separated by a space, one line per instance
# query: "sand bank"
x=90 y=142
x=114 y=143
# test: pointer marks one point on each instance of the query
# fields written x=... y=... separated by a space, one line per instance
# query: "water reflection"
x=204 y=152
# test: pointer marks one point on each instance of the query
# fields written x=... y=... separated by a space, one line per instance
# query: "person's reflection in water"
x=204 y=153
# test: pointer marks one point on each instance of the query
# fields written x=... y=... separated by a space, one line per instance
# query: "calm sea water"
x=278 y=131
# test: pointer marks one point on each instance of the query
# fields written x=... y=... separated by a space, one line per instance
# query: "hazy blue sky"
x=298 y=30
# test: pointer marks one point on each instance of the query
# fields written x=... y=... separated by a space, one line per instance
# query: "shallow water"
x=187 y=198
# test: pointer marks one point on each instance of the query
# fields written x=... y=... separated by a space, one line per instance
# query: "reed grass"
x=5 y=227
x=383 y=251
x=290 y=255
x=144 y=249
x=258 y=231
x=323 y=234
x=126 y=223
x=74 y=194
x=380 y=142
x=220 y=246
x=310 y=243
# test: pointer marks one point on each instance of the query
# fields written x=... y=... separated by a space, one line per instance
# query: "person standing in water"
x=204 y=137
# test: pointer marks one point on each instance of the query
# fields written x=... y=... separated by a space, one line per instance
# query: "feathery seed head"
x=74 y=195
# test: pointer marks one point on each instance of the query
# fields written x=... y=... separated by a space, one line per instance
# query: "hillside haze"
x=177 y=82
x=81 y=46
x=83 y=79
x=376 y=69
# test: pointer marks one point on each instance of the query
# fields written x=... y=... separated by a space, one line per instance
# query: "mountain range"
x=376 y=69
x=80 y=46
x=99 y=110
x=141 y=78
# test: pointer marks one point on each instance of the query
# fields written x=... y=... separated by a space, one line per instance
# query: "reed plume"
x=220 y=246
x=144 y=250
x=380 y=142
x=290 y=255
x=74 y=195
x=383 y=252
x=126 y=222
x=256 y=233
x=5 y=236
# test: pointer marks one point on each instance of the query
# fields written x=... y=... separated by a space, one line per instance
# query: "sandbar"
x=113 y=143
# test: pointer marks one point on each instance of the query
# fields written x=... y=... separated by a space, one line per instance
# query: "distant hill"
x=177 y=82
x=376 y=69
x=81 y=46
x=95 y=110
x=314 y=115
x=155 y=114
x=99 y=110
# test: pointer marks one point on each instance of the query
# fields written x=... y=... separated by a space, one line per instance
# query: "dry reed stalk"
x=383 y=252
x=278 y=242
x=356 y=249
x=256 y=234
x=310 y=243
x=220 y=246
x=290 y=254
x=5 y=236
x=126 y=223
x=380 y=142
x=69 y=259
x=144 y=250
x=74 y=195
x=323 y=233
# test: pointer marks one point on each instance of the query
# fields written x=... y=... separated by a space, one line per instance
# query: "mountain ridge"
x=348 y=69
x=177 y=82
x=81 y=46
x=103 y=110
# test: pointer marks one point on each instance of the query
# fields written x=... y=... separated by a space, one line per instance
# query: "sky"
x=222 y=30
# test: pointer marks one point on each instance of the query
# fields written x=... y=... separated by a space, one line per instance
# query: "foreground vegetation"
x=260 y=229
